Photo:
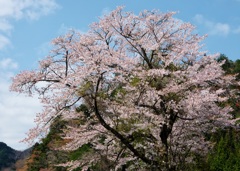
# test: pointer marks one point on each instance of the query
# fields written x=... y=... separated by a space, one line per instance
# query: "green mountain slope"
x=7 y=156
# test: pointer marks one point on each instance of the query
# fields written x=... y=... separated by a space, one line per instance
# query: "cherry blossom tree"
x=144 y=93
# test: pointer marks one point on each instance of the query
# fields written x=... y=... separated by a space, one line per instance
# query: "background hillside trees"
x=45 y=154
x=8 y=157
x=225 y=154
x=142 y=92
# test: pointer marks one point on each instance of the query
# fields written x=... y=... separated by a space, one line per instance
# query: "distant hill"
x=9 y=156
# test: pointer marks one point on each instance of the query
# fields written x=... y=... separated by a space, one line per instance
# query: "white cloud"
x=214 y=28
x=21 y=9
x=8 y=64
x=4 y=41
x=17 y=112
x=199 y=18
x=32 y=9
x=5 y=26
x=219 y=29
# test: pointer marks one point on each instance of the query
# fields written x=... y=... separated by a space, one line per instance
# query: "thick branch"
x=49 y=80
x=154 y=108
x=189 y=119
x=167 y=128
x=66 y=71
x=145 y=57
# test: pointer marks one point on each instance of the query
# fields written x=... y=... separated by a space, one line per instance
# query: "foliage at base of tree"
x=225 y=156
x=45 y=156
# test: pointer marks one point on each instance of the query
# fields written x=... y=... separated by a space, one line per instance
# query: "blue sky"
x=28 y=26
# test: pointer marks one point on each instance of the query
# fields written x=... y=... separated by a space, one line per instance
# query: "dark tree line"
x=225 y=155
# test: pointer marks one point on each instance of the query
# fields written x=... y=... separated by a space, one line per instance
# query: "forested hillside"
x=7 y=156
x=11 y=159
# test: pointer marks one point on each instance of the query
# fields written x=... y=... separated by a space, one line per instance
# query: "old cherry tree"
x=148 y=92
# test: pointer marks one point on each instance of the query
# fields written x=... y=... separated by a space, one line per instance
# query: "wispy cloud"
x=4 y=41
x=17 y=112
x=21 y=9
x=5 y=26
x=237 y=30
x=214 y=28
x=32 y=9
x=8 y=64
x=105 y=11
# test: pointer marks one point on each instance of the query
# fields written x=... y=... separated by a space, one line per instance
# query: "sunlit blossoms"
x=144 y=94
